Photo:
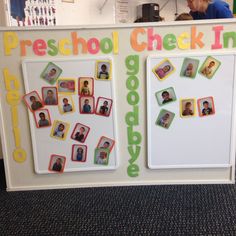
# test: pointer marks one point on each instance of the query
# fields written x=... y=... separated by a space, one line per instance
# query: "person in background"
x=18 y=11
x=209 y=9
x=184 y=16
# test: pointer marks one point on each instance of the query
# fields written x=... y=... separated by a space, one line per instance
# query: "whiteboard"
x=191 y=141
x=98 y=127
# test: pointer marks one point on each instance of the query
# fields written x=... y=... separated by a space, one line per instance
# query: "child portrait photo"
x=66 y=104
x=42 y=118
x=206 y=106
x=103 y=106
x=187 y=107
x=33 y=101
x=57 y=163
x=50 y=96
x=163 y=69
x=79 y=153
x=66 y=86
x=189 y=68
x=86 y=105
x=103 y=70
x=59 y=129
x=209 y=67
x=165 y=118
x=80 y=132
x=106 y=143
x=86 y=86
x=165 y=96
x=51 y=73
x=101 y=156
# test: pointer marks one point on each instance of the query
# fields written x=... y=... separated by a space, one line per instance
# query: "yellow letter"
x=62 y=49
x=182 y=44
x=10 y=78
x=19 y=155
x=10 y=41
x=115 y=42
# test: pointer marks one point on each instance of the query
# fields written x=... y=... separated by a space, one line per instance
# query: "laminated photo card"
x=189 y=68
x=165 y=96
x=165 y=118
x=51 y=73
x=163 y=70
x=187 y=107
x=209 y=67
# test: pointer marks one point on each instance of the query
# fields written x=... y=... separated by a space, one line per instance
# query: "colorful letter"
x=217 y=44
x=134 y=40
x=10 y=40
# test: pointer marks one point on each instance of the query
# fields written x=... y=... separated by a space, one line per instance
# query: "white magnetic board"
x=185 y=138
x=98 y=128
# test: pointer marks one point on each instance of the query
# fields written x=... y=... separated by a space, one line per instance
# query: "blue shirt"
x=215 y=10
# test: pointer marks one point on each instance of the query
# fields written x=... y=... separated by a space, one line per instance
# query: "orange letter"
x=133 y=40
x=23 y=45
x=196 y=39
x=76 y=41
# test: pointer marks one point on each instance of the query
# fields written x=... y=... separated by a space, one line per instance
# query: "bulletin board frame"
x=129 y=58
x=172 y=155
x=107 y=124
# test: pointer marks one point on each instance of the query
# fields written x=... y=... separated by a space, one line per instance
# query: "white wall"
x=86 y=12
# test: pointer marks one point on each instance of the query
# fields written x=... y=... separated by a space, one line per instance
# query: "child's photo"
x=66 y=86
x=187 y=107
x=57 y=163
x=209 y=67
x=66 y=104
x=189 y=68
x=59 y=129
x=33 y=101
x=165 y=118
x=79 y=153
x=50 y=96
x=103 y=70
x=101 y=156
x=51 y=73
x=106 y=143
x=163 y=69
x=86 y=86
x=165 y=96
x=42 y=118
x=86 y=105
x=103 y=106
x=206 y=106
x=80 y=132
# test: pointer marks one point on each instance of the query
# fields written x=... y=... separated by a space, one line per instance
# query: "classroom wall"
x=89 y=13
x=2 y=14
x=85 y=12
